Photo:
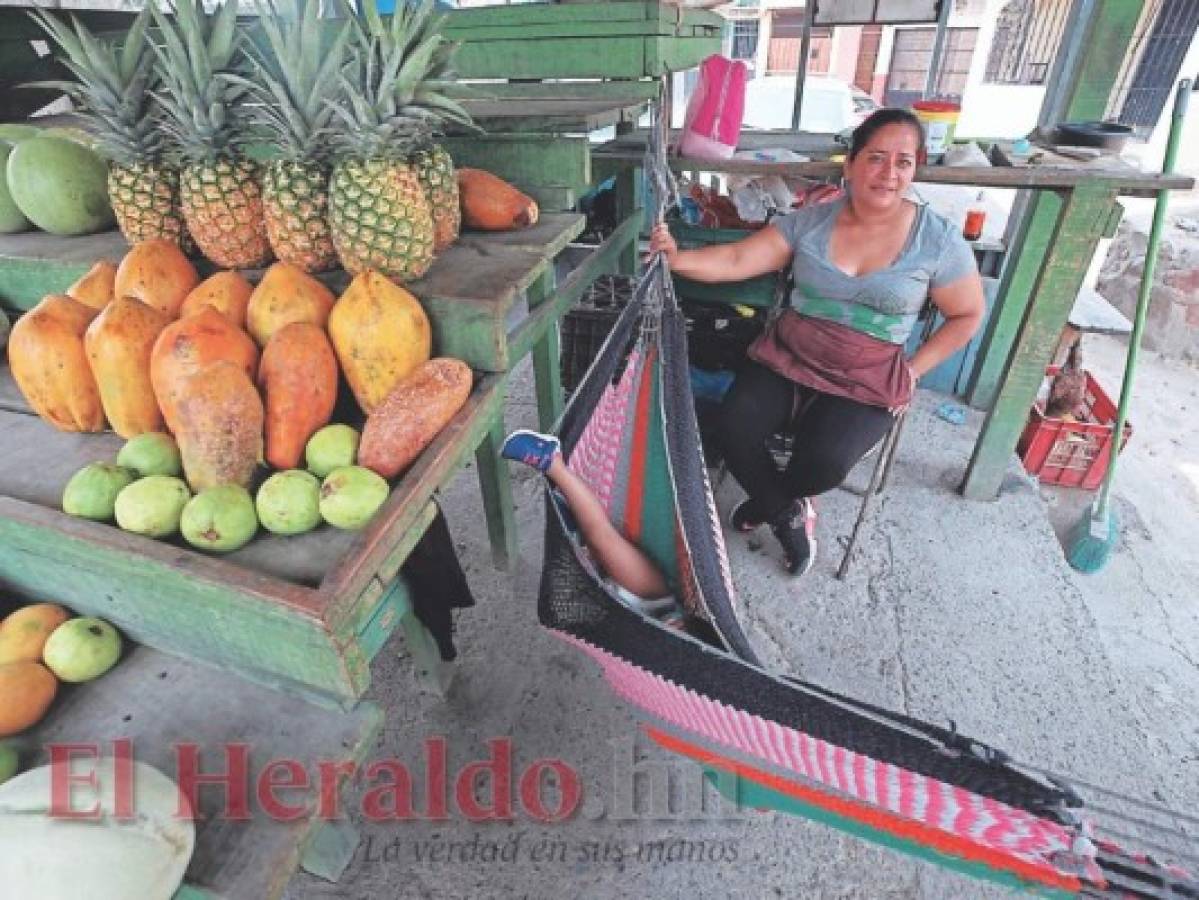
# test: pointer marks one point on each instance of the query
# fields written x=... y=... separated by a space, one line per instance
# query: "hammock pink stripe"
x=979 y=819
x=597 y=453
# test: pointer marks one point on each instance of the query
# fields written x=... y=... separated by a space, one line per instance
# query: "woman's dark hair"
x=881 y=118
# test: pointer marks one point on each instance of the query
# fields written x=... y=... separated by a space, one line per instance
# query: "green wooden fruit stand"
x=272 y=644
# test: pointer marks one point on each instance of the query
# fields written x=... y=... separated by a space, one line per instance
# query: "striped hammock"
x=629 y=431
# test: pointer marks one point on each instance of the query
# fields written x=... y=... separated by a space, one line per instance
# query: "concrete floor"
x=953 y=610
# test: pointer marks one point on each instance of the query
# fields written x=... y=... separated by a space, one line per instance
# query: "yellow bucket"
x=940 y=118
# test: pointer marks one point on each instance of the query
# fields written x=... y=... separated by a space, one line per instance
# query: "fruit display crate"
x=304 y=613
x=1073 y=452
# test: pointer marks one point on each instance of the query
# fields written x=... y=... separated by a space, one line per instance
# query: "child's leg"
x=620 y=559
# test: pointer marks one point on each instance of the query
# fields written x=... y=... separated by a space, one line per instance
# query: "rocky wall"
x=1172 y=328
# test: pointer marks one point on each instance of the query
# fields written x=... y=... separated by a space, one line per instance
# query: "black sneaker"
x=740 y=518
x=795 y=529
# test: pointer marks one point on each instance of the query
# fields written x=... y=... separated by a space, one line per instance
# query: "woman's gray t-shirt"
x=883 y=304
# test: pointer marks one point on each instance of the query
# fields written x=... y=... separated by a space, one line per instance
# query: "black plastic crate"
x=717 y=336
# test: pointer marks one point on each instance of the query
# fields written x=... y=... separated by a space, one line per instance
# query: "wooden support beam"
x=1083 y=220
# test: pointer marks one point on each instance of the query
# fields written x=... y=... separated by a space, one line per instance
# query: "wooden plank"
x=160 y=702
x=526 y=159
x=618 y=57
x=655 y=15
x=33 y=263
x=556 y=30
x=329 y=850
x=178 y=601
x=622 y=91
x=1079 y=228
x=497 y=495
x=1050 y=177
x=677 y=54
x=409 y=499
x=550 y=236
x=551 y=115
x=547 y=364
x=1017 y=282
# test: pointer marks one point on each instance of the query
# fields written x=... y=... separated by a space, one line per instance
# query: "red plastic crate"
x=1072 y=453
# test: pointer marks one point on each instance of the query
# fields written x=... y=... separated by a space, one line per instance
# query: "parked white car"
x=829 y=104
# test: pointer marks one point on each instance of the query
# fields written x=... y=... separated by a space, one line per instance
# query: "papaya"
x=157 y=273
x=286 y=294
x=414 y=412
x=226 y=292
x=380 y=333
x=118 y=343
x=298 y=377
x=188 y=345
x=219 y=426
x=27 y=689
x=491 y=204
x=24 y=633
x=95 y=286
x=49 y=364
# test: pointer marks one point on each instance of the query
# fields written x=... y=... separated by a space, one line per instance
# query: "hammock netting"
x=629 y=430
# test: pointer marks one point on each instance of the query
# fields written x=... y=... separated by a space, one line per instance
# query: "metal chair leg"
x=878 y=480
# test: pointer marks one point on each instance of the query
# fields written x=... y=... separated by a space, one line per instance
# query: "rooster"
x=1069 y=388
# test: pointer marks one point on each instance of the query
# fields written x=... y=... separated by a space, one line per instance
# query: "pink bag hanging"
x=712 y=126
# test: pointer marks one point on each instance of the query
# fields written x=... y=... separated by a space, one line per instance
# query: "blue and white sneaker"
x=531 y=448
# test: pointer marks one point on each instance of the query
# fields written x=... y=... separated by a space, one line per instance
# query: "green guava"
x=333 y=447
x=152 y=506
x=219 y=518
x=350 y=496
x=289 y=502
x=92 y=491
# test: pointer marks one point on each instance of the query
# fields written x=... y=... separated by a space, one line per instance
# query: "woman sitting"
x=831 y=370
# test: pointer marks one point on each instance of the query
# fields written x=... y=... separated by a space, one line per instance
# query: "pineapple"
x=219 y=187
x=292 y=86
x=435 y=170
x=395 y=97
x=112 y=94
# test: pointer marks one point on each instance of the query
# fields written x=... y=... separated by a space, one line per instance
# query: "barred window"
x=745 y=39
x=1027 y=36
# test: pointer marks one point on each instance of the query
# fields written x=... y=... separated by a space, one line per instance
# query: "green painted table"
x=158 y=702
x=1084 y=196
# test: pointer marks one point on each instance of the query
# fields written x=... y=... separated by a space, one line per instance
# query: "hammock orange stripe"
x=637 y=458
x=877 y=819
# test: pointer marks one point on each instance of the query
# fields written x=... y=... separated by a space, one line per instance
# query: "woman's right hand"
x=662 y=241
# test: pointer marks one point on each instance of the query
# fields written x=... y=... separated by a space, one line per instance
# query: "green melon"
x=61 y=186
x=16 y=133
x=12 y=219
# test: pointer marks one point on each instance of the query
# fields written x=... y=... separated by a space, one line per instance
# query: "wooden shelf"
x=159 y=701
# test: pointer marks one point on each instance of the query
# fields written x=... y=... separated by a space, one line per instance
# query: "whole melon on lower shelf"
x=135 y=840
x=12 y=219
x=60 y=186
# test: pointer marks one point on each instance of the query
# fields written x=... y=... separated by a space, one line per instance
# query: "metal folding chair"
x=886 y=455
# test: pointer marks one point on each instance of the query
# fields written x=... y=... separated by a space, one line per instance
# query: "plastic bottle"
x=976 y=217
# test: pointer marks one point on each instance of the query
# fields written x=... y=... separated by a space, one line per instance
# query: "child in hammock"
x=638 y=580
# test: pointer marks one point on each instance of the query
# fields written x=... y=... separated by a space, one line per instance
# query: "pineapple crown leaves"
x=293 y=80
x=199 y=96
x=398 y=85
x=111 y=89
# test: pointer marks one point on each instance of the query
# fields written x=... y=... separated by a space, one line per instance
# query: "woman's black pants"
x=830 y=435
